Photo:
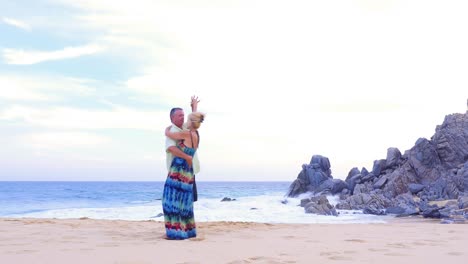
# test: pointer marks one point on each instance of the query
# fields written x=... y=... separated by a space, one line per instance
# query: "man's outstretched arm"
x=179 y=153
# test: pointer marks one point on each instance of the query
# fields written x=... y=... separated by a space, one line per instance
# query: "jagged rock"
x=380 y=182
x=364 y=171
x=463 y=202
x=325 y=187
x=405 y=199
x=338 y=186
x=404 y=205
x=316 y=172
x=376 y=205
x=445 y=187
x=322 y=162
x=463 y=172
x=331 y=186
x=393 y=157
x=432 y=170
x=415 y=187
x=354 y=171
x=430 y=211
x=304 y=202
x=369 y=177
x=354 y=202
x=355 y=179
x=399 y=180
x=316 y=178
x=379 y=166
x=396 y=210
x=297 y=187
x=320 y=205
x=448 y=210
x=373 y=209
x=450 y=140
x=363 y=188
x=363 y=200
x=424 y=160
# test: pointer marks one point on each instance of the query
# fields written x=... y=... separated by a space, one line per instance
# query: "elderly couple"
x=180 y=191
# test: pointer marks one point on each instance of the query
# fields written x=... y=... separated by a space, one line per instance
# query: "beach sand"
x=403 y=240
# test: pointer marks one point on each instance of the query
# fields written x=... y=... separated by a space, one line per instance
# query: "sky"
x=86 y=86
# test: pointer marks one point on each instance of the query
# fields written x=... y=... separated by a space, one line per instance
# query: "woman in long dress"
x=177 y=200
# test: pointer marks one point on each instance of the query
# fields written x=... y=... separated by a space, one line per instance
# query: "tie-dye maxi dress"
x=177 y=198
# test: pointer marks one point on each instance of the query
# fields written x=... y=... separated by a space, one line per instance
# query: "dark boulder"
x=415 y=187
x=322 y=163
x=463 y=173
x=363 y=200
x=354 y=171
x=364 y=171
x=227 y=199
x=331 y=186
x=353 y=180
x=450 y=140
x=316 y=178
x=319 y=205
x=298 y=186
x=424 y=160
x=430 y=211
x=380 y=182
x=449 y=209
x=463 y=202
x=403 y=205
x=379 y=166
x=445 y=187
x=369 y=177
x=393 y=157
x=398 y=181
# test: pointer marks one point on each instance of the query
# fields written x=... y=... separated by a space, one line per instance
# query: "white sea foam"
x=263 y=209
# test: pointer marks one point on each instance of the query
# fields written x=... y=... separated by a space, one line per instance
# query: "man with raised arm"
x=177 y=119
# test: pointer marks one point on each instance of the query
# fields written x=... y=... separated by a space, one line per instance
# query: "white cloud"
x=21 y=93
x=75 y=118
x=27 y=57
x=317 y=56
x=16 y=87
x=16 y=23
x=63 y=140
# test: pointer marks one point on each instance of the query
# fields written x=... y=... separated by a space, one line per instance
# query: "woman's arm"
x=194 y=103
x=176 y=135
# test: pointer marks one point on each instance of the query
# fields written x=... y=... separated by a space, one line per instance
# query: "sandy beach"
x=115 y=241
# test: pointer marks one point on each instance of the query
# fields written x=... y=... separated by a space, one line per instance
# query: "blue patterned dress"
x=177 y=200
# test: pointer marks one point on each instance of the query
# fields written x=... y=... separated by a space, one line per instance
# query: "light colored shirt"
x=169 y=157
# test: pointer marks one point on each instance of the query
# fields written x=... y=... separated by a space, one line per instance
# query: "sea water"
x=263 y=202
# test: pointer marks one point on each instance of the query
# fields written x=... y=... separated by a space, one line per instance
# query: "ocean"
x=263 y=202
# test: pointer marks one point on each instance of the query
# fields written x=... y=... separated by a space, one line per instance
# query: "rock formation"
x=403 y=184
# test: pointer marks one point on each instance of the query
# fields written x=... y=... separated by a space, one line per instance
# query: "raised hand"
x=194 y=103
